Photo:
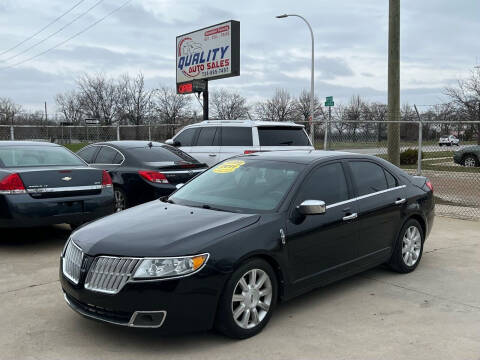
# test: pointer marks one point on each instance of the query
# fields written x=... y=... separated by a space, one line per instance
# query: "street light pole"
x=312 y=78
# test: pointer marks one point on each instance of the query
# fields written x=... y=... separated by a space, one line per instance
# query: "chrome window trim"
x=64 y=189
x=365 y=196
x=99 y=145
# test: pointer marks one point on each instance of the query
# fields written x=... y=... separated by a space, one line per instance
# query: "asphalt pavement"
x=432 y=313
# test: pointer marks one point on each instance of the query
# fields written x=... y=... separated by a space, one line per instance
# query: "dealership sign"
x=208 y=54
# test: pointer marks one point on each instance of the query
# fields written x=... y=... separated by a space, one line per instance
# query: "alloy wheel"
x=412 y=244
x=252 y=298
x=120 y=202
x=469 y=162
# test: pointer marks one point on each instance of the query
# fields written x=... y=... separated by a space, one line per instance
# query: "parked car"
x=141 y=171
x=43 y=184
x=212 y=141
x=253 y=230
x=468 y=156
x=448 y=140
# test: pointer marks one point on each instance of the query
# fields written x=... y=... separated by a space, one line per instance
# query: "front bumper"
x=174 y=306
x=22 y=210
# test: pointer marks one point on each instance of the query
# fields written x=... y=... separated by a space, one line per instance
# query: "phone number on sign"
x=213 y=72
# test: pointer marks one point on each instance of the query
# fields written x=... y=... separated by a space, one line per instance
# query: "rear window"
x=23 y=156
x=236 y=136
x=159 y=154
x=282 y=136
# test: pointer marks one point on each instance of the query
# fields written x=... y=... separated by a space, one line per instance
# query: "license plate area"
x=70 y=207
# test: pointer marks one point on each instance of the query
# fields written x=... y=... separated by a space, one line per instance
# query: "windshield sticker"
x=228 y=166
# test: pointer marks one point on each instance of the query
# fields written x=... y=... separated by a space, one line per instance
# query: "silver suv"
x=212 y=141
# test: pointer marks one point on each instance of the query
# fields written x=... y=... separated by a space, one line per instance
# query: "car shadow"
x=141 y=339
x=31 y=238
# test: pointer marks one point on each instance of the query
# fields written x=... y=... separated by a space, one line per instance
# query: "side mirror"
x=178 y=186
x=170 y=142
x=312 y=207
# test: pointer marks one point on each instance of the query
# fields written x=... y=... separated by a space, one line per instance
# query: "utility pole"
x=394 y=82
x=46 y=119
x=205 y=101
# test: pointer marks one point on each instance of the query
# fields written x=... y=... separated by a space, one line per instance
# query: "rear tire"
x=409 y=248
x=470 y=161
x=248 y=300
x=120 y=198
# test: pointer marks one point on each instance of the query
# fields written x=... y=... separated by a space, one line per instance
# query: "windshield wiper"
x=209 y=207
x=286 y=142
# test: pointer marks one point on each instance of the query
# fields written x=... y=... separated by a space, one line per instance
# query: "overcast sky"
x=439 y=44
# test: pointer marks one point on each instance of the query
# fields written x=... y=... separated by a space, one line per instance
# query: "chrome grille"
x=72 y=262
x=109 y=274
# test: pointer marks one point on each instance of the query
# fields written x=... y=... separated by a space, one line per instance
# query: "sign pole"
x=205 y=101
x=328 y=103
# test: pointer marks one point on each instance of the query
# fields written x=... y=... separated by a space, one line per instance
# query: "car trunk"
x=52 y=182
x=177 y=172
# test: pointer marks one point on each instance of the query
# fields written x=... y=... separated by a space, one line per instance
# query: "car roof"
x=244 y=123
x=305 y=156
x=26 y=143
x=129 y=144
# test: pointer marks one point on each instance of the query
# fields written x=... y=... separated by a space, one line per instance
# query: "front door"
x=322 y=246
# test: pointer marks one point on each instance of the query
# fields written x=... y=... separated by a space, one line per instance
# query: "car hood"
x=158 y=229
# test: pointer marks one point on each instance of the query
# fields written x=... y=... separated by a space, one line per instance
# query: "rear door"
x=108 y=158
x=380 y=200
x=206 y=148
x=235 y=140
x=272 y=138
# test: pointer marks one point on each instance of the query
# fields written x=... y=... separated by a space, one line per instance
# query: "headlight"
x=170 y=267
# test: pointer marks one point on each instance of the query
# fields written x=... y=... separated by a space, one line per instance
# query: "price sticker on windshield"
x=228 y=166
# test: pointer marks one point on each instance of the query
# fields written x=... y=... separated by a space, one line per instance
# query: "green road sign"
x=329 y=103
x=329 y=99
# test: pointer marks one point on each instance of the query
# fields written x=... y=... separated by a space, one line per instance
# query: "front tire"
x=409 y=248
x=248 y=300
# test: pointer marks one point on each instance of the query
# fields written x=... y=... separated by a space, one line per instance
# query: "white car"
x=448 y=140
x=212 y=141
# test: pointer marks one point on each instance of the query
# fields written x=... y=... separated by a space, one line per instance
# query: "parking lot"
x=432 y=313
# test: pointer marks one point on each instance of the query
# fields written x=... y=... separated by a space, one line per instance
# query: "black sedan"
x=43 y=183
x=251 y=231
x=141 y=171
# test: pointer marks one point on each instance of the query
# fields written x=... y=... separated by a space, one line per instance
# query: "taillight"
x=246 y=152
x=153 y=176
x=429 y=184
x=12 y=184
x=106 y=180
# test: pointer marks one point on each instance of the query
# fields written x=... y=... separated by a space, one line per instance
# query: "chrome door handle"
x=212 y=155
x=400 y=201
x=350 y=217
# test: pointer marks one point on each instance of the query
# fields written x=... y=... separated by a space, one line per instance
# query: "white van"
x=212 y=141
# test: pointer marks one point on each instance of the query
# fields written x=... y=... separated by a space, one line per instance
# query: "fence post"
x=118 y=132
x=12 y=133
x=149 y=133
x=419 y=161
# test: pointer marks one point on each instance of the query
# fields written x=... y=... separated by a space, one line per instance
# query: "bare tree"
x=170 y=106
x=281 y=107
x=135 y=104
x=99 y=97
x=228 y=105
x=302 y=108
x=8 y=110
x=466 y=95
x=69 y=105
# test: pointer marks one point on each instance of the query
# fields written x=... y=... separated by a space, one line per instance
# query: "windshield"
x=240 y=185
x=22 y=156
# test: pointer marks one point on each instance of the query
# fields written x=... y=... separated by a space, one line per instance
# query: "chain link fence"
x=457 y=187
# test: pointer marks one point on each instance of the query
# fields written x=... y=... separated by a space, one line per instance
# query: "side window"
x=368 y=176
x=236 y=136
x=207 y=136
x=87 y=153
x=326 y=183
x=106 y=155
x=391 y=181
x=185 y=138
